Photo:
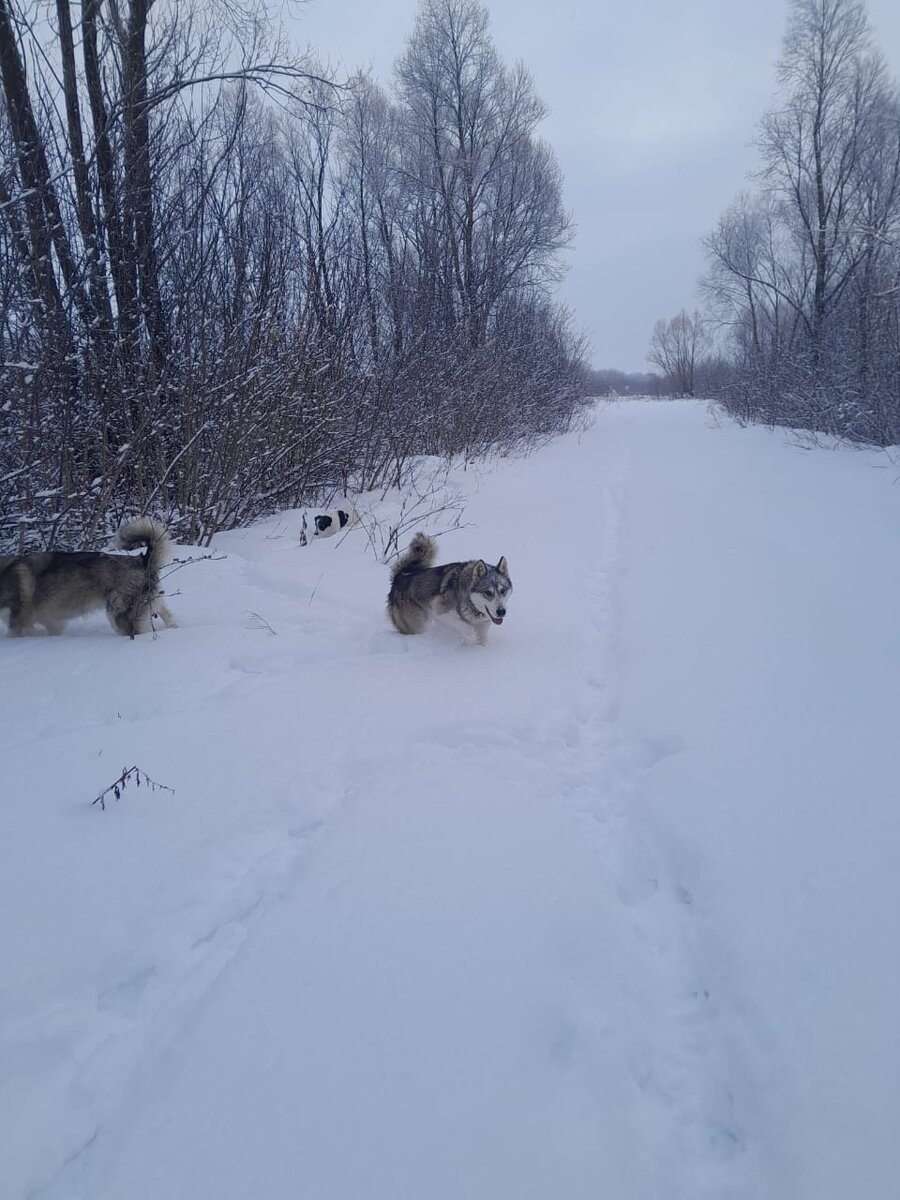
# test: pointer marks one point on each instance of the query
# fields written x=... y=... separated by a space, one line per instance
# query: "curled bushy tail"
x=149 y=533
x=421 y=552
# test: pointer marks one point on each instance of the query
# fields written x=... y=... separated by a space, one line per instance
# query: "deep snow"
x=605 y=909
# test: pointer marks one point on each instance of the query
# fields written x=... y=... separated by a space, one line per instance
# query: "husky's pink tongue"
x=496 y=620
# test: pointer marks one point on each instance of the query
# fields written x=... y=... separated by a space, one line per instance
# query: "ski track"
x=638 y=1017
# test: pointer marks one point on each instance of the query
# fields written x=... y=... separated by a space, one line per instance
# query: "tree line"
x=802 y=289
x=231 y=282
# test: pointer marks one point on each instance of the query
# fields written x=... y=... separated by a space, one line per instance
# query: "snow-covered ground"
x=607 y=908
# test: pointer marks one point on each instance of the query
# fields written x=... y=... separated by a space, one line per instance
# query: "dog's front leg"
x=20 y=624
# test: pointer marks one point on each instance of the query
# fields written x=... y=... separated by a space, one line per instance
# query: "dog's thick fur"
x=476 y=591
x=50 y=589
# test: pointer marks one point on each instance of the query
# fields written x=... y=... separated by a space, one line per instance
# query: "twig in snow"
x=315 y=589
x=117 y=787
x=265 y=624
x=177 y=563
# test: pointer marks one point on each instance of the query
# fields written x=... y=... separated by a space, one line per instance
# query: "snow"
x=606 y=908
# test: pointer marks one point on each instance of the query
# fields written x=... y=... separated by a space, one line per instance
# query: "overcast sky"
x=653 y=109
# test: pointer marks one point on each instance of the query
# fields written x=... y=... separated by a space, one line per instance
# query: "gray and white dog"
x=476 y=591
x=50 y=589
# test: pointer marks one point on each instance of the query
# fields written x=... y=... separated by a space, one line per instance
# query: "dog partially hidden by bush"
x=50 y=589
x=327 y=524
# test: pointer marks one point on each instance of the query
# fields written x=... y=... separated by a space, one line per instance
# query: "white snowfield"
x=605 y=909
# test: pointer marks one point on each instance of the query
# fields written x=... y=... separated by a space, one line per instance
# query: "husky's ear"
x=480 y=569
x=502 y=567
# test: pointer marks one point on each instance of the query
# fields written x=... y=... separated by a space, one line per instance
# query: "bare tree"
x=497 y=189
x=676 y=347
x=228 y=284
x=802 y=274
x=812 y=145
x=89 y=149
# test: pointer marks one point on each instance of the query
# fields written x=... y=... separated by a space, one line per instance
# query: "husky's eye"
x=489 y=592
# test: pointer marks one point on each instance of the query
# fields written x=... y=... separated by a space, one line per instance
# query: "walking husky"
x=477 y=592
x=50 y=589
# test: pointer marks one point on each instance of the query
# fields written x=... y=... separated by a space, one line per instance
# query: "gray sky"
x=653 y=108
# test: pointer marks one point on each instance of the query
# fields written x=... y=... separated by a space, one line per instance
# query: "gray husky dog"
x=50 y=589
x=477 y=592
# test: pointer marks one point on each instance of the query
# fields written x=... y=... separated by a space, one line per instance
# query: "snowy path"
x=760 y=610
x=434 y=922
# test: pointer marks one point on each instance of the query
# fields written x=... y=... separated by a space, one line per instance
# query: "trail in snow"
x=759 y=612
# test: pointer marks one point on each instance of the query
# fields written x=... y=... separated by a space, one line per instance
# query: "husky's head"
x=492 y=589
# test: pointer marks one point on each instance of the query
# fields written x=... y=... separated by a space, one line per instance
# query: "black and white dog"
x=329 y=523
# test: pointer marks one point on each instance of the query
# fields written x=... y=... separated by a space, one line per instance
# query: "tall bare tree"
x=497 y=188
x=812 y=146
x=676 y=347
x=802 y=273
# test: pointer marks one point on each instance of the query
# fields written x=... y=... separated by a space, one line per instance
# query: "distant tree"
x=804 y=273
x=814 y=146
x=676 y=347
x=608 y=381
x=494 y=190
